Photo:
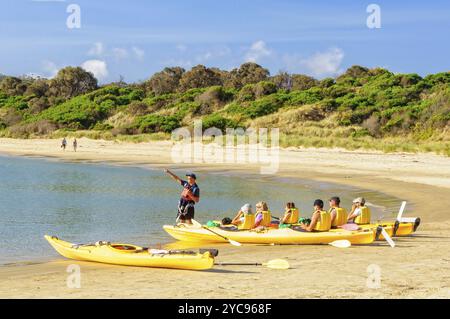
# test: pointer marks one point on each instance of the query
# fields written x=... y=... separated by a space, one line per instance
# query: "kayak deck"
x=131 y=255
x=268 y=236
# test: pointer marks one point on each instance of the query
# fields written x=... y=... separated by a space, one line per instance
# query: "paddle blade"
x=277 y=264
x=400 y=212
x=341 y=243
x=234 y=243
x=408 y=220
x=387 y=237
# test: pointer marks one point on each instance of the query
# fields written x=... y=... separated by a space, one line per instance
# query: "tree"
x=199 y=77
x=282 y=80
x=38 y=88
x=12 y=86
x=248 y=73
x=166 y=81
x=354 y=72
x=264 y=88
x=70 y=82
x=303 y=82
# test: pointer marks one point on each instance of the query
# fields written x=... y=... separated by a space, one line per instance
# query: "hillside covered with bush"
x=362 y=108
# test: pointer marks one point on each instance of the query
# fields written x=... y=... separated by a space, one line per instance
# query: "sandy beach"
x=418 y=267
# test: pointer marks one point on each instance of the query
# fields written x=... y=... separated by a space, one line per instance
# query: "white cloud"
x=257 y=51
x=97 y=49
x=139 y=53
x=50 y=68
x=325 y=63
x=97 y=67
x=119 y=53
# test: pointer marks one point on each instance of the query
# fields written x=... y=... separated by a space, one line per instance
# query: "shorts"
x=188 y=213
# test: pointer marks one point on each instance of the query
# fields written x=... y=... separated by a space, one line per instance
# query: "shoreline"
x=421 y=179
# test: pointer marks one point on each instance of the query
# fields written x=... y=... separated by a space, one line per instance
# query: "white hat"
x=246 y=208
x=358 y=200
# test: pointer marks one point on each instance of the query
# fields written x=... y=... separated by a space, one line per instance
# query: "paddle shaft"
x=215 y=233
x=238 y=264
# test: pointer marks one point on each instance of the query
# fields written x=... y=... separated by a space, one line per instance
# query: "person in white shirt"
x=360 y=213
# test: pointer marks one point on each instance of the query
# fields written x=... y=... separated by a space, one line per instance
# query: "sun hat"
x=246 y=208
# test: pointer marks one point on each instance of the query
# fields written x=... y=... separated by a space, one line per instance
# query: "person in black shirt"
x=189 y=197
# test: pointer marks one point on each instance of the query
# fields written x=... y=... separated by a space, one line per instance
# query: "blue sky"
x=136 y=38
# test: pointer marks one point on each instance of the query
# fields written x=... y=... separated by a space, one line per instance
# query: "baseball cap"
x=191 y=175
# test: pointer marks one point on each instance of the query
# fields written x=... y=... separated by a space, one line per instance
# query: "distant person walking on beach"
x=75 y=144
x=189 y=196
x=64 y=144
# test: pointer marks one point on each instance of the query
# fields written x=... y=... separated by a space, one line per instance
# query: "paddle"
x=341 y=243
x=232 y=242
x=387 y=237
x=273 y=264
x=400 y=212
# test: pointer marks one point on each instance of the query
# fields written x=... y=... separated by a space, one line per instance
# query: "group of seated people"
x=321 y=220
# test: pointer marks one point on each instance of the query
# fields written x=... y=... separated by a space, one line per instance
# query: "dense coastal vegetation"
x=362 y=108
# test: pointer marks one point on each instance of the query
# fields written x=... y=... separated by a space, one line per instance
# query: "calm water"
x=91 y=202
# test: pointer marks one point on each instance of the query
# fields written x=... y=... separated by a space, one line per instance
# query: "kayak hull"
x=136 y=256
x=268 y=236
x=403 y=229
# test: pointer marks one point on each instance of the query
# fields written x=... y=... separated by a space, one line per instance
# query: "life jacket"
x=248 y=223
x=293 y=219
x=185 y=192
x=364 y=218
x=266 y=218
x=324 y=222
x=341 y=216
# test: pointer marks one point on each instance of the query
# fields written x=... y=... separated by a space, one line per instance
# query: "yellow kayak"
x=130 y=255
x=284 y=236
x=395 y=228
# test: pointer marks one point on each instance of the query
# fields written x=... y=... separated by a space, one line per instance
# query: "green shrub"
x=218 y=121
x=310 y=96
x=157 y=123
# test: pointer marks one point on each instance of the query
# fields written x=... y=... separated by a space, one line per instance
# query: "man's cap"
x=359 y=200
x=191 y=175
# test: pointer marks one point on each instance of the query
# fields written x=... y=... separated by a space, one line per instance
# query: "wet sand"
x=418 y=267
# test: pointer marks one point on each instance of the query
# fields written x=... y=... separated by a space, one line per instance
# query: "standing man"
x=75 y=144
x=189 y=196
x=64 y=144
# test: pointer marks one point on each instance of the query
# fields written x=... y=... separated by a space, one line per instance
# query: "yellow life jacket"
x=324 y=222
x=266 y=218
x=364 y=218
x=341 y=216
x=293 y=219
x=248 y=223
